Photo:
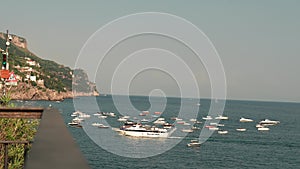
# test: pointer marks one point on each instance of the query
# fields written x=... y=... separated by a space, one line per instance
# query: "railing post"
x=25 y=153
x=5 y=155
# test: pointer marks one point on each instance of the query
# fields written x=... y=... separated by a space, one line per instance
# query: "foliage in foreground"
x=16 y=130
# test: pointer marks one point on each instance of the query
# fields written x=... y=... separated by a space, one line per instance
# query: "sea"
x=105 y=148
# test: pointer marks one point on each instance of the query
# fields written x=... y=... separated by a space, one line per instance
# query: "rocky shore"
x=27 y=92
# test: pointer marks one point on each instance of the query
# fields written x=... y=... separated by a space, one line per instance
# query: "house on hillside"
x=31 y=62
x=12 y=80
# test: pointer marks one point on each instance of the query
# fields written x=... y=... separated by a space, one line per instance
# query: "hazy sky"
x=258 y=41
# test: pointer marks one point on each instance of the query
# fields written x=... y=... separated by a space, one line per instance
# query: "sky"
x=257 y=41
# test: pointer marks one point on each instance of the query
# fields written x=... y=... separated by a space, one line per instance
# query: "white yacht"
x=138 y=130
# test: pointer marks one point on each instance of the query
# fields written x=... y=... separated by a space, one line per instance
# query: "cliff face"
x=16 y=40
x=27 y=92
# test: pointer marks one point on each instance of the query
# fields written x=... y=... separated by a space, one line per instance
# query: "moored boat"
x=144 y=120
x=207 y=118
x=96 y=124
x=194 y=143
x=221 y=117
x=103 y=126
x=160 y=121
x=213 y=128
x=187 y=130
x=268 y=122
x=263 y=129
x=193 y=120
x=195 y=128
x=216 y=124
x=222 y=132
x=241 y=129
x=138 y=130
x=242 y=119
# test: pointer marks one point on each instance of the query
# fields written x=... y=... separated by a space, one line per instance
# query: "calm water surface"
x=277 y=148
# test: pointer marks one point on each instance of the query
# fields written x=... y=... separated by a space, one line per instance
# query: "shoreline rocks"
x=28 y=92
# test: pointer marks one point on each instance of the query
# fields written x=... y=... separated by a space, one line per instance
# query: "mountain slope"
x=45 y=79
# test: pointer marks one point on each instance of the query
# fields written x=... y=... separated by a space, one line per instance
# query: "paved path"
x=54 y=146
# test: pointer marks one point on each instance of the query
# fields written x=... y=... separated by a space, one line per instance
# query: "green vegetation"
x=15 y=130
x=5 y=99
x=55 y=76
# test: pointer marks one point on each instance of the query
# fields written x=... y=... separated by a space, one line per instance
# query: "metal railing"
x=7 y=143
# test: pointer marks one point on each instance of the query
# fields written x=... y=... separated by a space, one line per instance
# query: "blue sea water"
x=277 y=148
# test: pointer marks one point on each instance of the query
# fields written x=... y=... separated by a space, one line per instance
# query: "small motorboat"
x=207 y=118
x=241 y=129
x=102 y=126
x=220 y=117
x=222 y=132
x=157 y=113
x=144 y=120
x=180 y=122
x=142 y=114
x=213 y=128
x=194 y=143
x=176 y=119
x=268 y=122
x=122 y=119
x=75 y=124
x=187 y=130
x=193 y=120
x=216 y=124
x=198 y=122
x=195 y=128
x=242 y=119
x=263 y=129
x=167 y=126
x=160 y=121
x=186 y=124
x=102 y=117
x=96 y=124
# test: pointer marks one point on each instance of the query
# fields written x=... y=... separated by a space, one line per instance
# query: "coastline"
x=28 y=92
x=55 y=96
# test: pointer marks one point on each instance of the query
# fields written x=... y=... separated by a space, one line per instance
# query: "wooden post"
x=5 y=155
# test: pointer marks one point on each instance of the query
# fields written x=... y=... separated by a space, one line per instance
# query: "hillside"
x=42 y=79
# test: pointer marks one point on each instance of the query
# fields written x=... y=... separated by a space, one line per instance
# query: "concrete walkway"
x=54 y=146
